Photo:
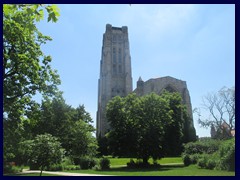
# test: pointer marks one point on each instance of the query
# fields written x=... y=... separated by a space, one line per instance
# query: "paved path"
x=26 y=171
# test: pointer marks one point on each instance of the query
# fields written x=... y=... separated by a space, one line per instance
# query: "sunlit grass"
x=124 y=161
x=192 y=170
x=118 y=168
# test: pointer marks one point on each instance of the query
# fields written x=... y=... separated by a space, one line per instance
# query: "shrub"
x=211 y=164
x=194 y=158
x=55 y=167
x=87 y=163
x=227 y=155
x=34 y=166
x=139 y=164
x=93 y=162
x=67 y=161
x=11 y=169
x=202 y=162
x=104 y=163
x=211 y=154
x=207 y=146
x=131 y=164
x=96 y=167
x=186 y=159
x=71 y=167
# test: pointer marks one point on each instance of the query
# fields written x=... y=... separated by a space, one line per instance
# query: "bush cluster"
x=61 y=167
x=207 y=146
x=87 y=163
x=8 y=168
x=220 y=155
x=227 y=156
x=138 y=164
x=104 y=163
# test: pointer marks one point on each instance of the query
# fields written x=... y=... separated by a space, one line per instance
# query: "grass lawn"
x=177 y=170
x=123 y=161
x=117 y=168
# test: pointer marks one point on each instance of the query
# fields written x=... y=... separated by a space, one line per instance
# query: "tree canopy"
x=27 y=71
x=43 y=151
x=147 y=126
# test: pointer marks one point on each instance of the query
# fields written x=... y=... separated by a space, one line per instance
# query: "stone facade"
x=168 y=83
x=115 y=72
x=116 y=77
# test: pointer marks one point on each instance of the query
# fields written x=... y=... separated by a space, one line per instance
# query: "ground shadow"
x=146 y=169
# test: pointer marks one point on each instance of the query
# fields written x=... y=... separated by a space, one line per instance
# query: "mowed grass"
x=192 y=170
x=169 y=167
x=123 y=161
x=118 y=168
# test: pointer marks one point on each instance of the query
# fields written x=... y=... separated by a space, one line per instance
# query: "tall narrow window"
x=120 y=69
x=120 y=55
x=114 y=69
x=119 y=38
x=114 y=55
x=114 y=38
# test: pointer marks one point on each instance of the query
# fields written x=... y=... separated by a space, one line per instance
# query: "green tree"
x=81 y=141
x=155 y=116
x=70 y=125
x=43 y=151
x=174 y=130
x=26 y=69
x=139 y=125
x=122 y=116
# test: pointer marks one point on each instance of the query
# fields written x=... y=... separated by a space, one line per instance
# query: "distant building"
x=116 y=77
x=222 y=132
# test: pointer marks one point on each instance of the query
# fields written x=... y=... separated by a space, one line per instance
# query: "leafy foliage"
x=81 y=141
x=227 y=155
x=70 y=125
x=186 y=160
x=221 y=156
x=146 y=126
x=44 y=151
x=104 y=163
x=26 y=69
x=208 y=146
x=87 y=163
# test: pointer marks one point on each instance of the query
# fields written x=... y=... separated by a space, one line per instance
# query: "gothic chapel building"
x=116 y=77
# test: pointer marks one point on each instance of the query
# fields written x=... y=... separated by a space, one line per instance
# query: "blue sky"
x=194 y=43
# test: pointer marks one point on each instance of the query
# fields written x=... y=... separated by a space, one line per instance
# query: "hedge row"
x=83 y=163
x=220 y=156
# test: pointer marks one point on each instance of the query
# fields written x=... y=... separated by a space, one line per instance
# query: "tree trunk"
x=145 y=161
x=41 y=170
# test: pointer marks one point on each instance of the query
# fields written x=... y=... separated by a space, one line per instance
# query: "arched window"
x=169 y=88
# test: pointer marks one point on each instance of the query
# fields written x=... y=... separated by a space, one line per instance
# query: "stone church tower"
x=115 y=72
